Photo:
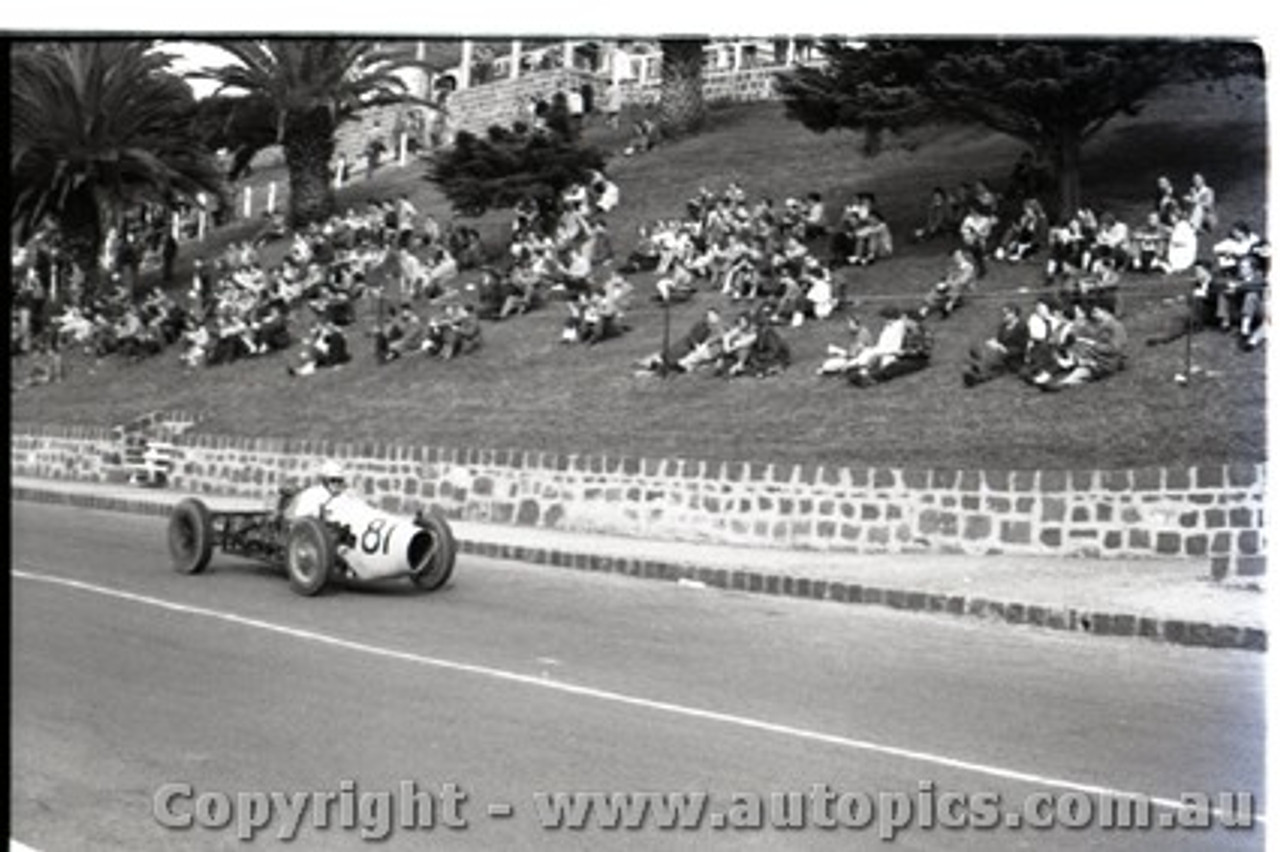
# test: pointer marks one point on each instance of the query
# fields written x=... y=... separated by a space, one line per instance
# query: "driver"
x=314 y=500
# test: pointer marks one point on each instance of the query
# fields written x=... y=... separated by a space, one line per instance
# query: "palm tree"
x=97 y=127
x=308 y=88
x=681 y=108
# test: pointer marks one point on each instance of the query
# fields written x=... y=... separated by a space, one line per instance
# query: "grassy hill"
x=525 y=390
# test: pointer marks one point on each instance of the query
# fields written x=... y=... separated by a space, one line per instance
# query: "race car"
x=353 y=541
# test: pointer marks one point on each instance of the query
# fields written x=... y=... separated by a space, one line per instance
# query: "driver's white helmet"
x=332 y=470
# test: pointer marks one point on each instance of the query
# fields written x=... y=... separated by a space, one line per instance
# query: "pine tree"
x=1053 y=95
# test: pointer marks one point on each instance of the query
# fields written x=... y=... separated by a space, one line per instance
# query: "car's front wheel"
x=434 y=567
x=309 y=556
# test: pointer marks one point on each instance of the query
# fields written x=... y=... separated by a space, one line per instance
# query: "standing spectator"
x=1202 y=202
x=612 y=107
x=1166 y=202
x=169 y=255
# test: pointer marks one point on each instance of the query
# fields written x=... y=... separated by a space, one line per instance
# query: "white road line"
x=616 y=697
x=15 y=846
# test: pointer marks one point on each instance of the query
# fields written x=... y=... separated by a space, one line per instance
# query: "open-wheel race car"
x=351 y=540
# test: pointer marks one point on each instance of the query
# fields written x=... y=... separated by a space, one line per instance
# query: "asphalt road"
x=130 y=681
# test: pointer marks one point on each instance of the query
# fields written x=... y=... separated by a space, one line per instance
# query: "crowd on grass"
x=766 y=267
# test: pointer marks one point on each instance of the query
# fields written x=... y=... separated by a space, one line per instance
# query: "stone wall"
x=1209 y=512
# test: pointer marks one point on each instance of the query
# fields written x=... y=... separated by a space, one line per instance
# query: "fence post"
x=248 y=202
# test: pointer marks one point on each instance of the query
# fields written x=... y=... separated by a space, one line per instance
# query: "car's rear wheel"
x=443 y=552
x=309 y=556
x=190 y=536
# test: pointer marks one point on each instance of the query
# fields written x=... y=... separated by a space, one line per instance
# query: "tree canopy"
x=508 y=166
x=295 y=93
x=97 y=127
x=1053 y=95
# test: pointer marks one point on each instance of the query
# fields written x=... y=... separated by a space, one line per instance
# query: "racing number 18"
x=377 y=538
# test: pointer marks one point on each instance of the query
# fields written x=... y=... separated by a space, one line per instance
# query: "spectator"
x=1182 y=246
x=815 y=218
x=1202 y=202
x=1150 y=244
x=696 y=347
x=871 y=237
x=1026 y=236
x=1200 y=311
x=949 y=293
x=1096 y=352
x=1111 y=242
x=841 y=359
x=975 y=235
x=903 y=347
x=326 y=347
x=461 y=334
x=939 y=217
x=1048 y=336
x=1166 y=201
x=1003 y=353
x=612 y=106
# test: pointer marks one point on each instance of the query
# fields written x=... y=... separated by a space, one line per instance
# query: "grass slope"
x=524 y=390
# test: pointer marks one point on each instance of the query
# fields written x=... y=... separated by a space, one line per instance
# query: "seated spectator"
x=523 y=291
x=1150 y=244
x=1066 y=250
x=571 y=272
x=1111 y=242
x=461 y=334
x=1240 y=242
x=768 y=354
x=1096 y=351
x=604 y=192
x=696 y=347
x=597 y=316
x=872 y=239
x=735 y=345
x=677 y=286
x=959 y=282
x=1241 y=296
x=274 y=229
x=325 y=347
x=815 y=218
x=1196 y=312
x=270 y=327
x=903 y=346
x=1026 y=236
x=841 y=359
x=1003 y=353
x=984 y=198
x=939 y=217
x=406 y=335
x=441 y=267
x=975 y=234
x=646 y=256
x=196 y=343
x=491 y=293
x=1048 y=337
x=1182 y=246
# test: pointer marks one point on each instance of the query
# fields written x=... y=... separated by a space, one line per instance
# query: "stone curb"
x=1173 y=631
